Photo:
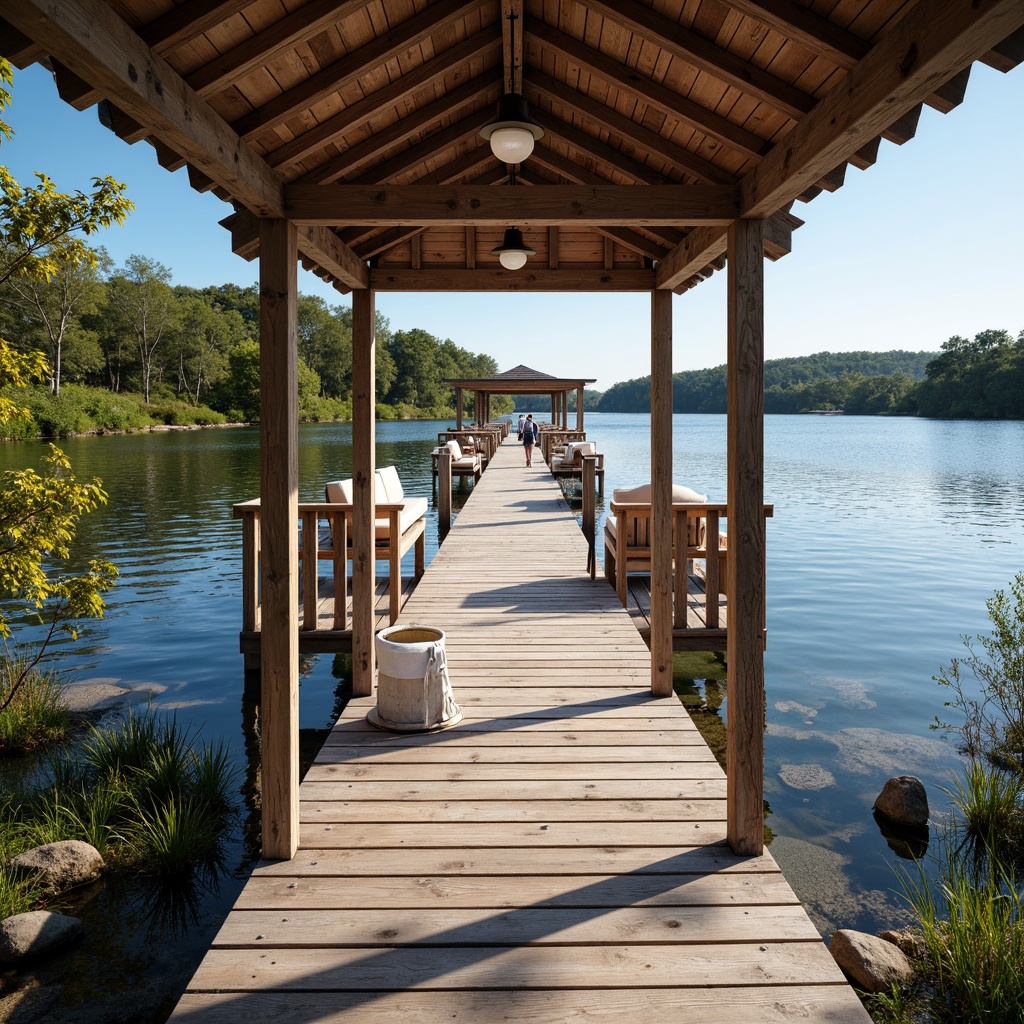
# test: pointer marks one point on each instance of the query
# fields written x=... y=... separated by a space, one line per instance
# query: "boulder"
x=34 y=933
x=870 y=962
x=59 y=866
x=904 y=800
x=911 y=942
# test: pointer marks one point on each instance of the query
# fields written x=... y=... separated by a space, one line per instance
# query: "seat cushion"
x=389 y=486
x=641 y=495
x=415 y=508
x=453 y=447
x=339 y=492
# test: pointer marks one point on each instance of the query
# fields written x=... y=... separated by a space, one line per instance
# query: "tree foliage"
x=39 y=512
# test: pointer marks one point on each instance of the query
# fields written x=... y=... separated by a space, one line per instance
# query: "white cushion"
x=453 y=447
x=641 y=495
x=389 y=487
x=339 y=492
x=414 y=508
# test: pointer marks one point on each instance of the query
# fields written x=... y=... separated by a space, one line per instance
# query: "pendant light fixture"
x=512 y=134
x=513 y=251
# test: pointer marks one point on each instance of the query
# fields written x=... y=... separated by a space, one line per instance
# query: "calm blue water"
x=887 y=538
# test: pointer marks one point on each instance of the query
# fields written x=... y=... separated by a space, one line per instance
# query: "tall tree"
x=57 y=302
x=141 y=293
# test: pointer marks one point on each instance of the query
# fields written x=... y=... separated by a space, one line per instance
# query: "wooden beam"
x=279 y=517
x=691 y=255
x=91 y=40
x=934 y=41
x=364 y=565
x=633 y=83
x=181 y=25
x=319 y=244
x=696 y=51
x=644 y=139
x=401 y=89
x=745 y=470
x=628 y=205
x=17 y=47
x=810 y=30
x=259 y=50
x=350 y=68
x=661 y=496
x=350 y=162
x=492 y=278
x=512 y=48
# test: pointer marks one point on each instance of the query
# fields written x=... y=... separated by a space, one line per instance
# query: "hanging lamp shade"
x=513 y=251
x=512 y=134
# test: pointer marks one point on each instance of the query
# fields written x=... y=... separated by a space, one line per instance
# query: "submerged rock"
x=63 y=865
x=35 y=933
x=904 y=801
x=872 y=963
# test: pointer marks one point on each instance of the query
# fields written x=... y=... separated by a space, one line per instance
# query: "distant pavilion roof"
x=520 y=380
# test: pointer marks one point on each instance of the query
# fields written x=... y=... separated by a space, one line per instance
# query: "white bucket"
x=414 y=693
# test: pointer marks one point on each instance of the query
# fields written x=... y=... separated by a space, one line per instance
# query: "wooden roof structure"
x=678 y=134
x=521 y=380
x=664 y=120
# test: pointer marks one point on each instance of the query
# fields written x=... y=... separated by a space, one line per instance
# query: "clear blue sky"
x=926 y=244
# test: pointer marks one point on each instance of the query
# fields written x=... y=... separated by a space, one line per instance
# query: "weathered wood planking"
x=558 y=854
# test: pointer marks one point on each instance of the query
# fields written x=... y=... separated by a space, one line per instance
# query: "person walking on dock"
x=529 y=433
x=519 y=429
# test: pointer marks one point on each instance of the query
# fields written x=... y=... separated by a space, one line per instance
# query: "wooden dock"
x=558 y=855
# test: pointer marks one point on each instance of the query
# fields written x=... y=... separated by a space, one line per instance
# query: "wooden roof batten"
x=359 y=120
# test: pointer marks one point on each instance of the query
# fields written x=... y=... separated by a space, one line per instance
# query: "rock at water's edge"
x=36 y=932
x=63 y=865
x=872 y=963
x=904 y=800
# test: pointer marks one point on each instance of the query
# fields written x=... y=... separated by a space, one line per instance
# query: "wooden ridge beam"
x=646 y=140
x=615 y=205
x=701 y=53
x=497 y=279
x=371 y=106
x=643 y=89
x=349 y=162
x=342 y=73
x=936 y=40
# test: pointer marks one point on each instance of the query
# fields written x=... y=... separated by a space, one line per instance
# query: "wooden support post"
x=661 y=493
x=364 y=567
x=579 y=408
x=279 y=508
x=590 y=512
x=444 y=492
x=745 y=564
x=458 y=408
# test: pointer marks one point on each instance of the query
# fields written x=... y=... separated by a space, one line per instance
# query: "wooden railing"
x=323 y=535
x=705 y=541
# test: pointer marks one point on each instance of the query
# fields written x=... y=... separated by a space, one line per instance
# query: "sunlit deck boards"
x=558 y=855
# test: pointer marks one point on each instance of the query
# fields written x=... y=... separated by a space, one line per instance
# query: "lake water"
x=887 y=538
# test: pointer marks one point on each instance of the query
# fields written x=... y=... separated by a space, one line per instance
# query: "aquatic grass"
x=171 y=839
x=990 y=819
x=974 y=930
x=38 y=712
x=18 y=893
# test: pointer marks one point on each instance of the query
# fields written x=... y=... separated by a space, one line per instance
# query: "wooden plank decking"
x=558 y=855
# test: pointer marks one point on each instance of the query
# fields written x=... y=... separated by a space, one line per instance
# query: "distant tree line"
x=129 y=330
x=979 y=379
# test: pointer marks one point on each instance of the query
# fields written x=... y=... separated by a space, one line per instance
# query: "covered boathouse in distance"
x=521 y=380
x=672 y=141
